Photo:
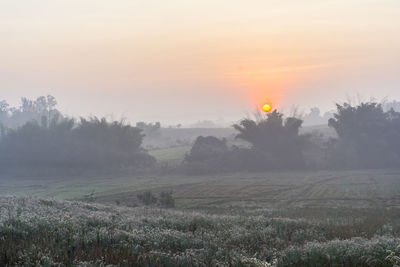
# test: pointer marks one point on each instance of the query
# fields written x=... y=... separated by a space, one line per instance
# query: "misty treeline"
x=28 y=110
x=65 y=143
x=315 y=117
x=37 y=135
x=367 y=137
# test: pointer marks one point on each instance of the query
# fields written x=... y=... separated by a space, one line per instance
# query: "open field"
x=170 y=155
x=362 y=188
x=322 y=218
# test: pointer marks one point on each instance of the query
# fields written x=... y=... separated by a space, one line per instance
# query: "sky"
x=181 y=61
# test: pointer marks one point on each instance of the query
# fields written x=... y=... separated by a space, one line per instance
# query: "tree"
x=208 y=154
x=149 y=129
x=274 y=140
x=41 y=109
x=110 y=143
x=367 y=136
x=4 y=114
x=64 y=143
x=205 y=148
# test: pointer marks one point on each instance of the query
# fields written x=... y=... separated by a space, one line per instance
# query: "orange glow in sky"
x=126 y=57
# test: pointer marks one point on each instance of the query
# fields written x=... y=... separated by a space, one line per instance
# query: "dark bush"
x=166 y=199
x=208 y=154
x=208 y=147
x=147 y=198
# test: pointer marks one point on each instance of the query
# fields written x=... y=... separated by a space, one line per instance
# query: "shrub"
x=208 y=154
x=166 y=199
x=147 y=198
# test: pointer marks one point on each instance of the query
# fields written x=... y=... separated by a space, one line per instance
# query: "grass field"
x=296 y=218
x=363 y=188
x=171 y=155
x=48 y=232
x=322 y=218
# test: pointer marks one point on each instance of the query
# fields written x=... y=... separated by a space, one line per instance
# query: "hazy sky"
x=180 y=61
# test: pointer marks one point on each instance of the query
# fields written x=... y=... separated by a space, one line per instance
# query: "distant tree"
x=149 y=129
x=275 y=141
x=315 y=117
x=367 y=136
x=4 y=109
x=208 y=154
x=205 y=148
x=41 y=109
x=395 y=105
x=110 y=143
x=63 y=143
x=4 y=114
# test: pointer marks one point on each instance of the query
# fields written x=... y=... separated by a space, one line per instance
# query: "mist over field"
x=201 y=133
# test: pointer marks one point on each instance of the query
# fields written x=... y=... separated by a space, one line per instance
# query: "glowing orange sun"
x=266 y=107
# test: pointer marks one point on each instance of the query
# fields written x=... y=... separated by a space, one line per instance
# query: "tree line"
x=28 y=110
x=368 y=136
x=37 y=135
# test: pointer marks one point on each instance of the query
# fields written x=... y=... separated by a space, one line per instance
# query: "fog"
x=200 y=133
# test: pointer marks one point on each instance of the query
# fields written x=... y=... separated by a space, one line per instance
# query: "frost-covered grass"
x=50 y=232
x=378 y=251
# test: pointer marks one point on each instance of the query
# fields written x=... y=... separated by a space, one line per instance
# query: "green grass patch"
x=170 y=155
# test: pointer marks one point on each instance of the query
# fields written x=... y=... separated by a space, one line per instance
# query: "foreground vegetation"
x=51 y=232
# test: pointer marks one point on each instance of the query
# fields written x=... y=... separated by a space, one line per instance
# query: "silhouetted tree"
x=208 y=154
x=367 y=136
x=41 y=109
x=276 y=142
x=62 y=143
x=207 y=147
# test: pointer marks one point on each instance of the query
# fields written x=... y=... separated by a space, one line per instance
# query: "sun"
x=266 y=107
